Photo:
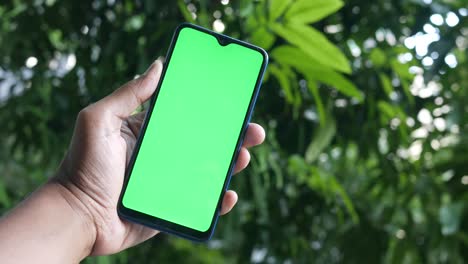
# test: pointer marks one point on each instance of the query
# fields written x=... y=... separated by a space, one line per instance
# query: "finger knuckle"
x=87 y=114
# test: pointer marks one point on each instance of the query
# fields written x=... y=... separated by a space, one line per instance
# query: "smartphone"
x=192 y=134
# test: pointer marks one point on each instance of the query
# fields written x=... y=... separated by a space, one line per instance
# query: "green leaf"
x=260 y=12
x=263 y=38
x=314 y=44
x=406 y=89
x=277 y=8
x=246 y=8
x=449 y=217
x=402 y=71
x=329 y=186
x=55 y=38
x=283 y=81
x=298 y=167
x=251 y=24
x=387 y=109
x=338 y=189
x=386 y=84
x=416 y=208
x=292 y=76
x=185 y=12
x=18 y=9
x=310 y=11
x=377 y=56
x=321 y=140
x=313 y=88
x=340 y=83
x=298 y=59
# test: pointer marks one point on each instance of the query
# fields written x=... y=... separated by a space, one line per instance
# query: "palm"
x=96 y=163
x=122 y=234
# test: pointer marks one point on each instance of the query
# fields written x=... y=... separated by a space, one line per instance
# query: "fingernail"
x=161 y=59
x=149 y=68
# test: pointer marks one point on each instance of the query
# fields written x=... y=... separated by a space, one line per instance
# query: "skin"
x=74 y=215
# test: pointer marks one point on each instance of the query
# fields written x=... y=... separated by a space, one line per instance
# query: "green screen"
x=186 y=151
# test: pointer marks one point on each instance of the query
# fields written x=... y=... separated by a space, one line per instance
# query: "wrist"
x=81 y=218
x=50 y=225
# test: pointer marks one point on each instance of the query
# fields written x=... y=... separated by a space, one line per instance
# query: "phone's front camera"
x=223 y=41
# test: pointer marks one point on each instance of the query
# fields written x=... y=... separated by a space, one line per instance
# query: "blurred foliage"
x=365 y=104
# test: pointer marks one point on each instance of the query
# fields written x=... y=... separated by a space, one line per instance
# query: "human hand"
x=92 y=172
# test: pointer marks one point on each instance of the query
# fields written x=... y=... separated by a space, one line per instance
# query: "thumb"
x=127 y=98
